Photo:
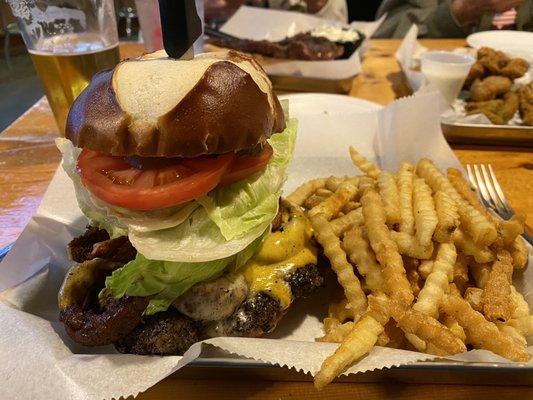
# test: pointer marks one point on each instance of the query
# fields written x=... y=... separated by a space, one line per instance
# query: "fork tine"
x=500 y=209
x=499 y=190
x=483 y=188
x=473 y=182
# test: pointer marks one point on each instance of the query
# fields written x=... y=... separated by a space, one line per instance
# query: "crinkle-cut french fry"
x=358 y=249
x=350 y=206
x=519 y=305
x=524 y=325
x=513 y=333
x=395 y=334
x=460 y=272
x=333 y=182
x=437 y=282
x=409 y=246
x=496 y=296
x=392 y=336
x=473 y=297
x=405 y=190
x=337 y=332
x=357 y=343
x=411 y=269
x=480 y=272
x=368 y=168
x=425 y=268
x=452 y=324
x=340 y=310
x=386 y=250
x=424 y=212
x=419 y=344
x=323 y=192
x=521 y=319
x=519 y=253
x=366 y=182
x=337 y=257
x=391 y=198
x=431 y=331
x=305 y=190
x=330 y=323
x=480 y=332
x=342 y=224
x=448 y=217
x=481 y=228
x=511 y=229
x=462 y=186
x=313 y=201
x=468 y=247
x=333 y=204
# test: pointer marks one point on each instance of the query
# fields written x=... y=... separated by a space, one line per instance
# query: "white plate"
x=327 y=124
x=513 y=43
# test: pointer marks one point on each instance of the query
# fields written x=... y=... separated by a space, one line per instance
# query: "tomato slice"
x=116 y=182
x=244 y=166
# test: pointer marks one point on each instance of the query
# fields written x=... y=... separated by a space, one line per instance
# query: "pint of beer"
x=67 y=45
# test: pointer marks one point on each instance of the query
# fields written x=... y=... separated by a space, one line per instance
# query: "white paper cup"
x=447 y=71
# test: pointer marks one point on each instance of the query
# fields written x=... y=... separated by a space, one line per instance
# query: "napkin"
x=39 y=361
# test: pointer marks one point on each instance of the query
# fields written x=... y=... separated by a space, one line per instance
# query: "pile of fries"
x=423 y=265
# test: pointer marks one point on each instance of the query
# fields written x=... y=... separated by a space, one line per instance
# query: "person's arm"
x=432 y=20
x=449 y=18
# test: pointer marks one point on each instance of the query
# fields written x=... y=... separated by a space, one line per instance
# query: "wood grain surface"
x=28 y=159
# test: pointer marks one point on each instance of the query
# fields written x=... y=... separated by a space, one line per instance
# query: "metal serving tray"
x=487 y=134
x=436 y=372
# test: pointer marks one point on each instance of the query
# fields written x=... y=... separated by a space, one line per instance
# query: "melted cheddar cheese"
x=281 y=253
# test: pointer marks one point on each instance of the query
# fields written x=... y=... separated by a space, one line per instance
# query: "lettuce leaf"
x=243 y=206
x=165 y=281
x=198 y=239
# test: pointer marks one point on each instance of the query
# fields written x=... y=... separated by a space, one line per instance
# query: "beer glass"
x=68 y=41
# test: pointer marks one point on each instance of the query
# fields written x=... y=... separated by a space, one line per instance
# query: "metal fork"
x=490 y=192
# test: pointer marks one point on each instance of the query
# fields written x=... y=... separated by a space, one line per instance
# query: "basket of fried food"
x=491 y=89
x=422 y=264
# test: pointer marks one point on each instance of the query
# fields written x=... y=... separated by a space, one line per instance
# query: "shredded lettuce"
x=243 y=206
x=165 y=281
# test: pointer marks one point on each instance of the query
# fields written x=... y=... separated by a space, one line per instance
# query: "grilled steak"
x=302 y=46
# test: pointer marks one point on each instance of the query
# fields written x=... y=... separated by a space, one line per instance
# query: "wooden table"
x=28 y=159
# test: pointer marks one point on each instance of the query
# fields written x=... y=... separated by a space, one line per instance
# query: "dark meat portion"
x=304 y=281
x=104 y=323
x=119 y=249
x=256 y=317
x=80 y=247
x=260 y=314
x=302 y=46
x=95 y=243
x=165 y=333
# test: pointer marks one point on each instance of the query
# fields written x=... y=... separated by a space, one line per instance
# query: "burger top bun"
x=156 y=106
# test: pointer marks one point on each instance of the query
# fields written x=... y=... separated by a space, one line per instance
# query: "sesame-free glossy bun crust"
x=223 y=103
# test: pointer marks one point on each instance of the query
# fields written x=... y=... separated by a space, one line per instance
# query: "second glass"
x=68 y=43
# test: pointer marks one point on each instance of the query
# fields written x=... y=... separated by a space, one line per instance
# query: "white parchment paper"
x=39 y=361
x=260 y=23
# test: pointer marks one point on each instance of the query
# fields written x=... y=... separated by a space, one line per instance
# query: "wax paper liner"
x=39 y=361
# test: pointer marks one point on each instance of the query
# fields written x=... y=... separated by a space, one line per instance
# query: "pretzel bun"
x=155 y=106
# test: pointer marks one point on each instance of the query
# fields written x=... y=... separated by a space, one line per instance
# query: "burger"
x=178 y=166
